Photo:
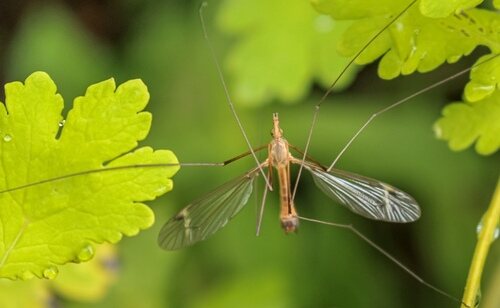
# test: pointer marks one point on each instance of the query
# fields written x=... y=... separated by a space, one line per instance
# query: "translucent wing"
x=202 y=218
x=366 y=197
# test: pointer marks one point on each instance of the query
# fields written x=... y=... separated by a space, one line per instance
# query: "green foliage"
x=478 y=116
x=282 y=48
x=464 y=123
x=485 y=79
x=280 y=55
x=420 y=41
x=415 y=42
x=56 y=221
x=438 y=9
x=315 y=267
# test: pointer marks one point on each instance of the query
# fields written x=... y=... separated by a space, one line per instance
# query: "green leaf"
x=439 y=9
x=485 y=78
x=357 y=9
x=463 y=124
x=282 y=48
x=414 y=42
x=55 y=222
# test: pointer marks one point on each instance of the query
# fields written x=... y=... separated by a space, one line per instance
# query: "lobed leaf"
x=439 y=9
x=463 y=124
x=424 y=37
x=55 y=222
x=485 y=78
x=414 y=42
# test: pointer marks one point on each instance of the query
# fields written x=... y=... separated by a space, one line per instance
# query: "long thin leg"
x=382 y=251
x=401 y=101
x=226 y=162
x=330 y=89
x=308 y=158
x=263 y=202
x=252 y=151
x=226 y=92
x=92 y=171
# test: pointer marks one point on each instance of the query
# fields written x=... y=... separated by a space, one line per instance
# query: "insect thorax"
x=278 y=152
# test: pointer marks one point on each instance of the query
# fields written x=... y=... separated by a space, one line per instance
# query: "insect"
x=351 y=190
x=364 y=196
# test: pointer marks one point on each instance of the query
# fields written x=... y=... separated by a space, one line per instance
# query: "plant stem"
x=486 y=236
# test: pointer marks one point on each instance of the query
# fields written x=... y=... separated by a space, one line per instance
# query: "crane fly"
x=367 y=197
x=364 y=196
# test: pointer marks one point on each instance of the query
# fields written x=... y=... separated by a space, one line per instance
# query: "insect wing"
x=203 y=217
x=367 y=197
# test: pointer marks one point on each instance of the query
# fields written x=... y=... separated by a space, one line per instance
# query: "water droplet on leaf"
x=50 y=272
x=27 y=275
x=7 y=138
x=86 y=253
x=484 y=88
x=475 y=91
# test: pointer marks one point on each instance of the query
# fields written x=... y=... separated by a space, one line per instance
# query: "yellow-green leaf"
x=463 y=124
x=436 y=9
x=54 y=222
x=414 y=42
x=485 y=78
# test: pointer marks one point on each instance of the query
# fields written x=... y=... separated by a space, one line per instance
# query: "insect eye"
x=271 y=132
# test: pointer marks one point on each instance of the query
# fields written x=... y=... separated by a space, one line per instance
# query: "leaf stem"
x=486 y=236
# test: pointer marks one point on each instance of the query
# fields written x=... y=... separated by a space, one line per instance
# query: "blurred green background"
x=83 y=42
